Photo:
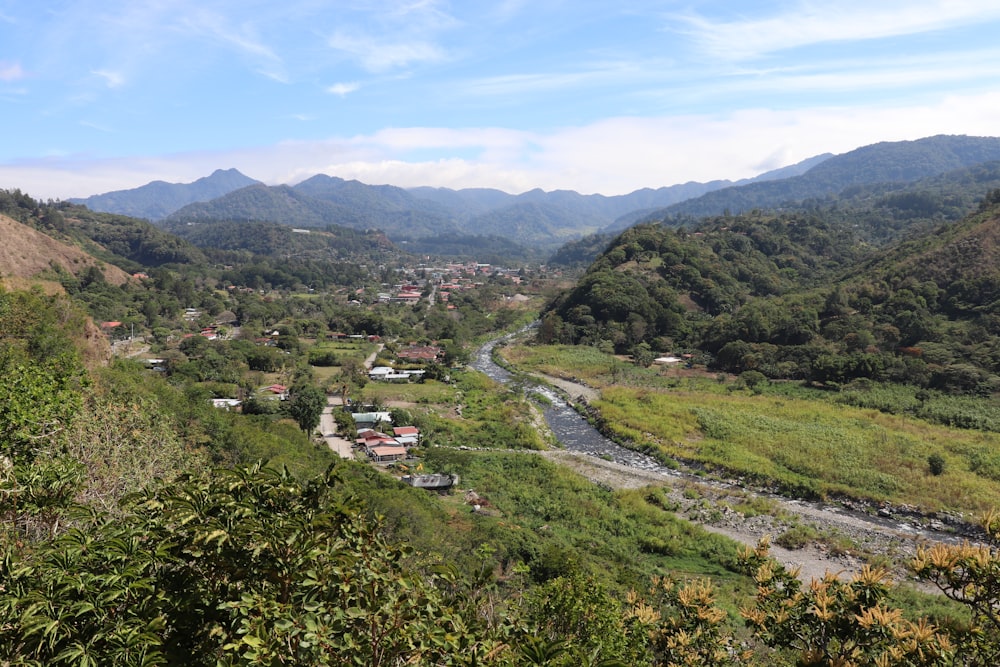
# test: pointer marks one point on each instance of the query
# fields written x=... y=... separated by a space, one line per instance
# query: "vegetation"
x=141 y=525
x=753 y=291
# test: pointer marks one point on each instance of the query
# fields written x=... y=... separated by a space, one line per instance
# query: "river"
x=575 y=434
x=570 y=428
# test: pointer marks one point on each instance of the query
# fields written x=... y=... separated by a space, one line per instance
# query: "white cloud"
x=377 y=55
x=811 y=22
x=612 y=156
x=111 y=79
x=343 y=89
x=10 y=72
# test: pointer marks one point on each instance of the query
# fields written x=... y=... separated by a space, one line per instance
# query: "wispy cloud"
x=343 y=89
x=111 y=79
x=809 y=23
x=241 y=37
x=380 y=55
x=595 y=74
x=96 y=126
x=10 y=72
x=878 y=74
x=422 y=15
x=395 y=34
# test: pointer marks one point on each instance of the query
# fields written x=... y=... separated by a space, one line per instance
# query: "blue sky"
x=594 y=96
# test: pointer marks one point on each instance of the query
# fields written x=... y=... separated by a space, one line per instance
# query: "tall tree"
x=305 y=405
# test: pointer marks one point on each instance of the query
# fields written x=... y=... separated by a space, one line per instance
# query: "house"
x=278 y=389
x=387 y=453
x=368 y=419
x=407 y=435
x=420 y=353
x=667 y=360
x=226 y=403
x=380 y=372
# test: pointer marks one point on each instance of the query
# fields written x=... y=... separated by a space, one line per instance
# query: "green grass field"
x=806 y=441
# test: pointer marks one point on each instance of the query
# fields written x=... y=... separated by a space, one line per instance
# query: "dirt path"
x=328 y=429
x=571 y=388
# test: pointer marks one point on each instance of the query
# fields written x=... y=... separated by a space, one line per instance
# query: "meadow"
x=805 y=442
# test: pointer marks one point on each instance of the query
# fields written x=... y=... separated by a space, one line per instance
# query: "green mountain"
x=801 y=295
x=157 y=200
x=275 y=240
x=887 y=162
x=431 y=217
x=291 y=206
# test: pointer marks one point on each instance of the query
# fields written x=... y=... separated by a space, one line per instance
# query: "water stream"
x=572 y=431
x=575 y=434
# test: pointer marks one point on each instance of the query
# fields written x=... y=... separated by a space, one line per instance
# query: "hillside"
x=159 y=199
x=276 y=240
x=28 y=253
x=887 y=162
x=880 y=213
x=799 y=296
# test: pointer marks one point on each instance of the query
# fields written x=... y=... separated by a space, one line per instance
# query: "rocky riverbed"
x=818 y=537
x=837 y=541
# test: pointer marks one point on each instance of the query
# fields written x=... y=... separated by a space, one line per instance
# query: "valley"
x=821 y=371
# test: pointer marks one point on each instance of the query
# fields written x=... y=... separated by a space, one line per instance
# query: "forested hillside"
x=887 y=165
x=159 y=199
x=800 y=296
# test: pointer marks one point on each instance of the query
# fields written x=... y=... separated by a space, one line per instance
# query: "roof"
x=371 y=417
x=406 y=430
x=419 y=352
x=388 y=450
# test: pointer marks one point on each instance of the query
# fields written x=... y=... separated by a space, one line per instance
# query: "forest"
x=798 y=296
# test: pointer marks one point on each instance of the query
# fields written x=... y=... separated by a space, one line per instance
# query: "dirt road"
x=328 y=428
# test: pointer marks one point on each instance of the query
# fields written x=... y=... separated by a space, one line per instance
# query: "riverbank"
x=848 y=543
x=843 y=541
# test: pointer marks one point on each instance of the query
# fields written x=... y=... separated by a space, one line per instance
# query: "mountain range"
x=159 y=199
x=536 y=219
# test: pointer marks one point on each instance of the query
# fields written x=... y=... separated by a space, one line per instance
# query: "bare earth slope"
x=26 y=252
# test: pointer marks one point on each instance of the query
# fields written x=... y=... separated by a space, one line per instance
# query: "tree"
x=237 y=568
x=305 y=405
x=643 y=355
x=834 y=621
x=36 y=402
x=970 y=574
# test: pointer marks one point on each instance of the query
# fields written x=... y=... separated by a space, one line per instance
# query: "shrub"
x=936 y=464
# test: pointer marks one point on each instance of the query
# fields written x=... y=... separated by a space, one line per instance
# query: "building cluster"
x=381 y=447
x=442 y=281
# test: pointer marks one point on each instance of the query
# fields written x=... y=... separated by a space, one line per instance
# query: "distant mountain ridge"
x=536 y=217
x=157 y=200
x=885 y=162
x=546 y=220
